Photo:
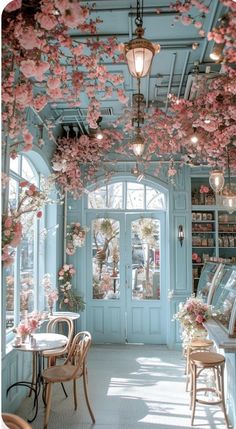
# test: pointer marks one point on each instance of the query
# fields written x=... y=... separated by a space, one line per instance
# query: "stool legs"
x=193 y=391
x=221 y=377
x=195 y=372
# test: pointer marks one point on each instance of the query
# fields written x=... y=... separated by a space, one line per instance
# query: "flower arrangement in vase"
x=204 y=190
x=50 y=293
x=76 y=235
x=191 y=315
x=68 y=299
x=26 y=327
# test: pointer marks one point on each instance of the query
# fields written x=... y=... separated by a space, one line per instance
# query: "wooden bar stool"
x=197 y=345
x=200 y=361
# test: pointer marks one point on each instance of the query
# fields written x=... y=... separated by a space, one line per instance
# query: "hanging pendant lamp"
x=139 y=52
x=228 y=198
x=138 y=144
x=216 y=180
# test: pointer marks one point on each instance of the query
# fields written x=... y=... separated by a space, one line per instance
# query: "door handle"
x=127 y=267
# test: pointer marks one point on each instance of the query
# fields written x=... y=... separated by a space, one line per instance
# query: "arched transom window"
x=127 y=196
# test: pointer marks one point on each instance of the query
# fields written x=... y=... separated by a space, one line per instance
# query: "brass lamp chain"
x=139 y=14
x=138 y=101
x=228 y=161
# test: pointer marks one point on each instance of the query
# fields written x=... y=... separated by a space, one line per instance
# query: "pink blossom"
x=29 y=38
x=28 y=68
x=8 y=222
x=28 y=138
x=53 y=82
x=186 y=20
x=198 y=24
x=199 y=318
x=13 y=5
x=48 y=22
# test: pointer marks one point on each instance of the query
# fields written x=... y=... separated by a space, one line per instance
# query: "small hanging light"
x=139 y=52
x=194 y=137
x=138 y=144
x=228 y=197
x=99 y=134
x=217 y=52
x=216 y=180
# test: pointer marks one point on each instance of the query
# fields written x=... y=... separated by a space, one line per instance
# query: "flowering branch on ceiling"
x=38 y=50
x=76 y=161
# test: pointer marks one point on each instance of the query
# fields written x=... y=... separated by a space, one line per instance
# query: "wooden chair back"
x=78 y=352
x=54 y=325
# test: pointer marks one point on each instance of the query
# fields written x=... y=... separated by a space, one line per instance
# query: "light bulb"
x=216 y=180
x=99 y=134
x=139 y=57
x=194 y=139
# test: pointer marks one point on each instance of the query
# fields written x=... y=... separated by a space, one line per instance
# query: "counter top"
x=221 y=338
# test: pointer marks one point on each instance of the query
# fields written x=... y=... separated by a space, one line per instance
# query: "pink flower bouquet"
x=204 y=189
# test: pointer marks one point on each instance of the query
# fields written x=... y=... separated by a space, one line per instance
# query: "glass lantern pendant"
x=138 y=144
x=228 y=200
x=216 y=180
x=139 y=52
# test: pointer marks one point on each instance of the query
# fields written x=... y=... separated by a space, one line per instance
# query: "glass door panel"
x=106 y=258
x=145 y=243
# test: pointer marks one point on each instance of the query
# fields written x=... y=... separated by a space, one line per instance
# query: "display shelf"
x=211 y=227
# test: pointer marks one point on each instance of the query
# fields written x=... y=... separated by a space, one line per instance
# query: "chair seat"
x=61 y=373
x=205 y=359
x=201 y=343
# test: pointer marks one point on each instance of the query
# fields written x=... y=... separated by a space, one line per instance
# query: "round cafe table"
x=70 y=314
x=44 y=341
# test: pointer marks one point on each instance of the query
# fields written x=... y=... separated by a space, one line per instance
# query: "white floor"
x=130 y=386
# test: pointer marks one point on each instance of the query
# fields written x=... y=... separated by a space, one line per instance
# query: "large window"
x=127 y=196
x=22 y=277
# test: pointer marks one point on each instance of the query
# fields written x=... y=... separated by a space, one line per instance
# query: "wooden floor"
x=130 y=386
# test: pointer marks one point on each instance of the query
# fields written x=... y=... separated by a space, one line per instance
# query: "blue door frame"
x=125 y=319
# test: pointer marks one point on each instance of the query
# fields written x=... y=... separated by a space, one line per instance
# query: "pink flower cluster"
x=193 y=313
x=66 y=273
x=76 y=235
x=204 y=189
x=27 y=326
x=26 y=41
x=11 y=237
x=72 y=153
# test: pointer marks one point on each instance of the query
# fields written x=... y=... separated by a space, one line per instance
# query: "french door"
x=126 y=296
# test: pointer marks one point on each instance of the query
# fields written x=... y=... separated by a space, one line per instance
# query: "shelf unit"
x=213 y=232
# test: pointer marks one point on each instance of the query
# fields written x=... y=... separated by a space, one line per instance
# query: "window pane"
x=13 y=193
x=135 y=196
x=27 y=264
x=28 y=172
x=145 y=259
x=10 y=292
x=97 y=199
x=154 y=199
x=14 y=164
x=106 y=257
x=115 y=196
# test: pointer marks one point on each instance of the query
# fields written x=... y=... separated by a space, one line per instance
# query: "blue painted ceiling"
x=171 y=70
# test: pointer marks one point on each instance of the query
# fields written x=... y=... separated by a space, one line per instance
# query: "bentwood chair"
x=55 y=324
x=73 y=368
x=12 y=421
